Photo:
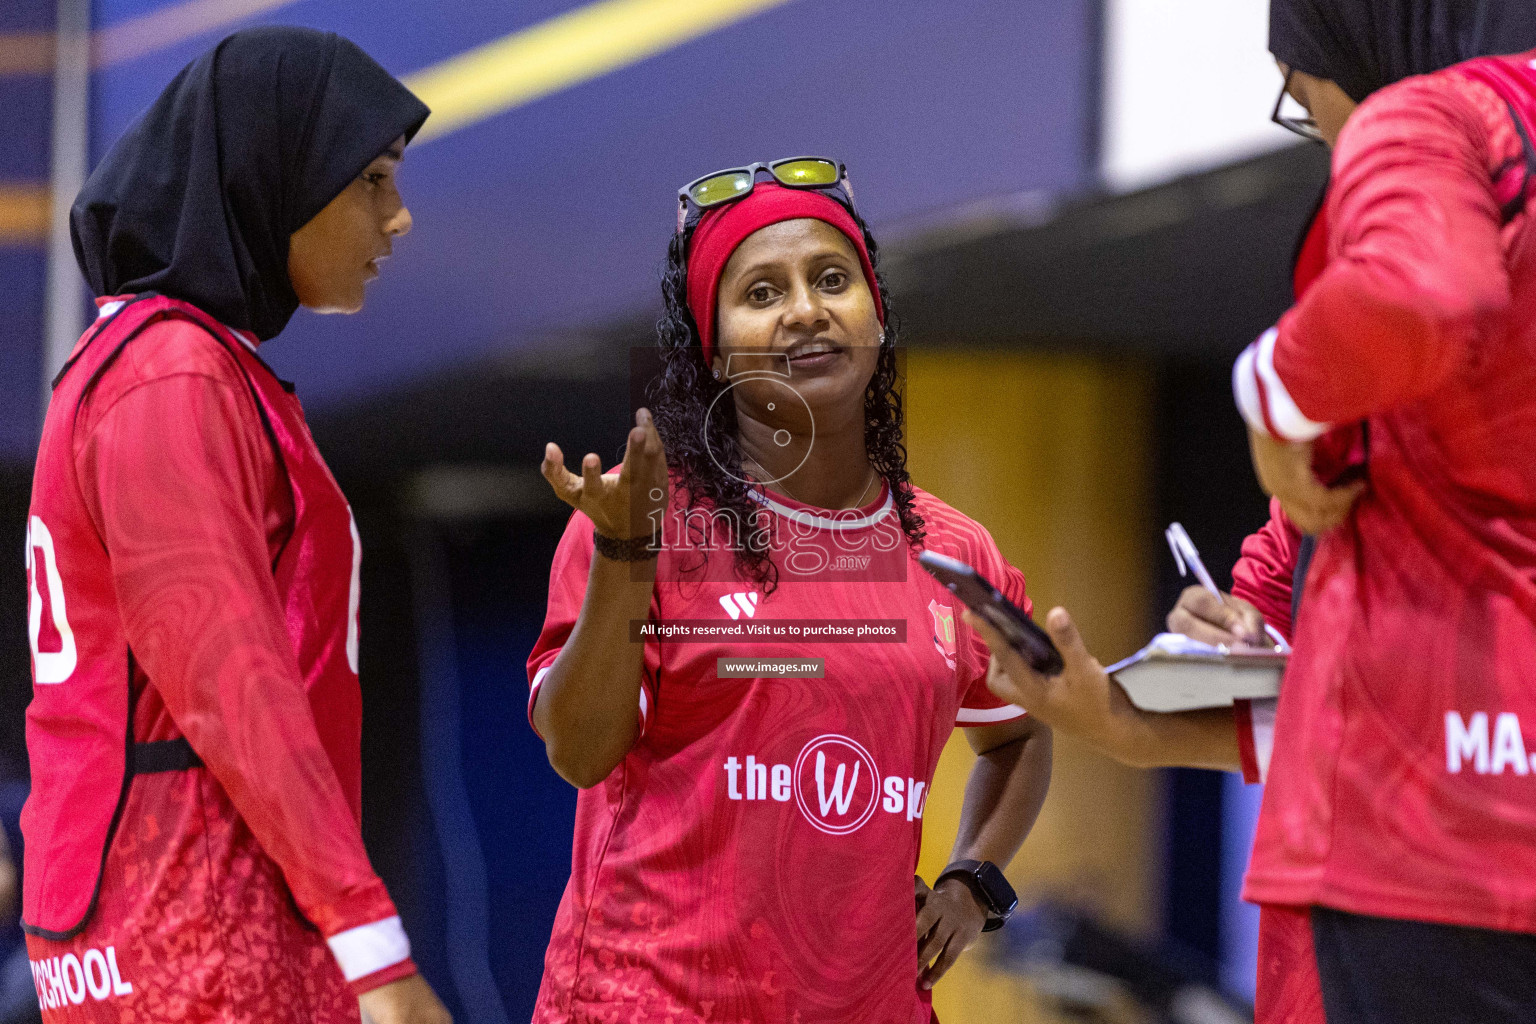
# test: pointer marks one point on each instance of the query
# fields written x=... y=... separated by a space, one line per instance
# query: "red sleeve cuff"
x=1242 y=714
x=378 y=979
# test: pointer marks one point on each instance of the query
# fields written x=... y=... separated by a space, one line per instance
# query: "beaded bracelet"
x=633 y=549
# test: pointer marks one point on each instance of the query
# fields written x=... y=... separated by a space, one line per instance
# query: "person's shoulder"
x=949 y=531
x=1450 y=102
x=936 y=511
x=1457 y=80
x=173 y=347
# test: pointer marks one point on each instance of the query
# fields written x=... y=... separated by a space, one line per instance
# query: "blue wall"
x=21 y=350
x=24 y=143
x=521 y=811
x=556 y=215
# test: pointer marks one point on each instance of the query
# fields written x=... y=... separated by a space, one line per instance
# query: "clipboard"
x=1175 y=673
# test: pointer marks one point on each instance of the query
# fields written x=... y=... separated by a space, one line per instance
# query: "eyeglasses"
x=720 y=187
x=1302 y=124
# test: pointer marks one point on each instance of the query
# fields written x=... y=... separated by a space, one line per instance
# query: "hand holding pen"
x=1204 y=613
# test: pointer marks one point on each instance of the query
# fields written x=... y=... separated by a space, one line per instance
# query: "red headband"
x=722 y=229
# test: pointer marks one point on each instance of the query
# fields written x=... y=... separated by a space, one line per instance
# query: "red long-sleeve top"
x=1263 y=576
x=1402 y=784
x=187 y=495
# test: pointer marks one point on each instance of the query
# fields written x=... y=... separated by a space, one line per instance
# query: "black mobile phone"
x=981 y=597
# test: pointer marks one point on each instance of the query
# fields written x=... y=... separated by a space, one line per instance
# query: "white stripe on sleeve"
x=988 y=716
x=1283 y=413
x=538 y=680
x=1263 y=714
x=1245 y=388
x=370 y=948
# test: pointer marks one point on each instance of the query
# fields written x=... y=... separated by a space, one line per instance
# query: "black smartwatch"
x=989 y=886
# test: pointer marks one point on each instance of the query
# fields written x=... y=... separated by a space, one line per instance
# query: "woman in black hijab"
x=249 y=143
x=1364 y=45
x=1414 y=852
x=183 y=524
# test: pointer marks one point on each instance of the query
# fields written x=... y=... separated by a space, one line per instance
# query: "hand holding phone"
x=981 y=597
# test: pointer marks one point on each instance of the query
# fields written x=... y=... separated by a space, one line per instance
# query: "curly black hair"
x=682 y=394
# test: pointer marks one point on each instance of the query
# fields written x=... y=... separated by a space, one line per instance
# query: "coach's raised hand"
x=587 y=702
x=622 y=506
x=1081 y=701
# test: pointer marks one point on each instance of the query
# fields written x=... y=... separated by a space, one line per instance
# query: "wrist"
x=988 y=888
x=640 y=547
x=957 y=885
x=1125 y=732
x=1132 y=741
x=388 y=976
x=611 y=578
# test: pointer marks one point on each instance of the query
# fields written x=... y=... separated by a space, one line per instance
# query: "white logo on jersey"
x=834 y=782
x=837 y=798
x=48 y=667
x=741 y=603
x=66 y=980
x=1468 y=741
x=836 y=811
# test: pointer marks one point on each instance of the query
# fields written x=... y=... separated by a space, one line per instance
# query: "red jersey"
x=1288 y=989
x=751 y=858
x=193 y=582
x=1262 y=577
x=1402 y=787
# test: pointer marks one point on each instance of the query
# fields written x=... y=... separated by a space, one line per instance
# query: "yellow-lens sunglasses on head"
x=733 y=183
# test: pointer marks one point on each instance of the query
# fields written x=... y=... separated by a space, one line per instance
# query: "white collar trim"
x=113 y=307
x=835 y=521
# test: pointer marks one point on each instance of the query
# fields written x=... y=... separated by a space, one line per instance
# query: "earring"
x=882 y=339
x=716 y=373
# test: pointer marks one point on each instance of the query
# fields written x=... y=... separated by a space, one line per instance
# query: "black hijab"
x=250 y=141
x=1364 y=45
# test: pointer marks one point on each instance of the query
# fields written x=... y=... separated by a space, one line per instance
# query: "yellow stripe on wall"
x=24 y=213
x=167 y=26
x=26 y=53
x=564 y=51
x=29 y=54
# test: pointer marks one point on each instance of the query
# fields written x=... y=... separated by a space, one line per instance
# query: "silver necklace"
x=873 y=476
